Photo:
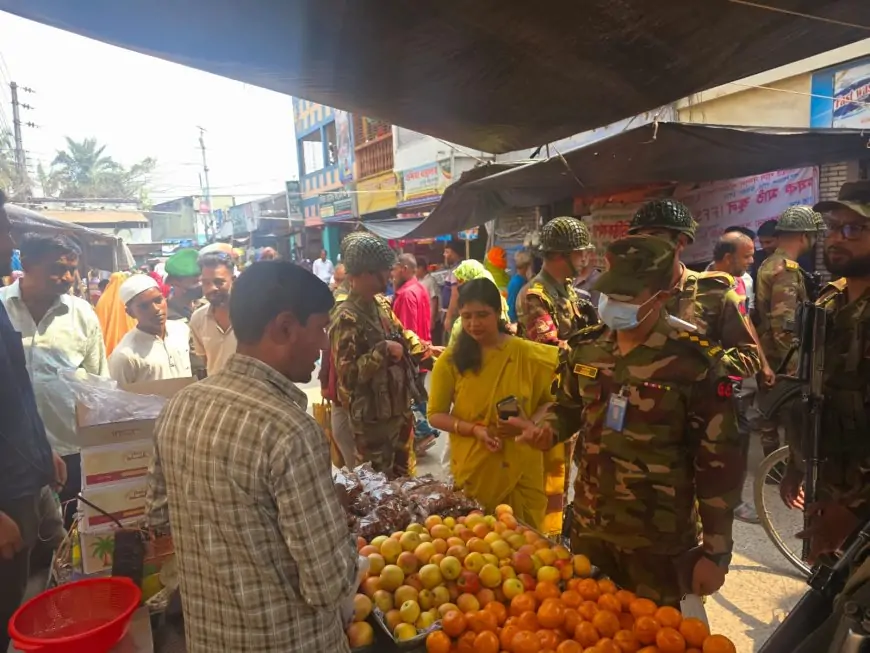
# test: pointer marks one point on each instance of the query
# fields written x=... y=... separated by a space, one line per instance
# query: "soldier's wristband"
x=721 y=560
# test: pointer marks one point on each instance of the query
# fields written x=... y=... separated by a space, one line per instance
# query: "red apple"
x=468 y=582
x=528 y=582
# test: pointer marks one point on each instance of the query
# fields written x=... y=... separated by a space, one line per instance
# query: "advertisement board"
x=841 y=97
x=344 y=137
x=336 y=205
x=378 y=193
x=425 y=184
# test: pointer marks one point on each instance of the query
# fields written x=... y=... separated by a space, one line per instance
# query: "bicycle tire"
x=771 y=461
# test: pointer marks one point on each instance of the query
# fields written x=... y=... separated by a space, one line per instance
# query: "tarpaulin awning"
x=498 y=75
x=650 y=154
x=392 y=229
x=99 y=250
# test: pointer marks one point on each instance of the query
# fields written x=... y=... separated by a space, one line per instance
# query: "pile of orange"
x=590 y=616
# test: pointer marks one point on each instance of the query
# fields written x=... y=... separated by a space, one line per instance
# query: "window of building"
x=331 y=144
x=311 y=146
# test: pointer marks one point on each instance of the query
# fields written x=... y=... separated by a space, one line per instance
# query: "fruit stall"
x=461 y=581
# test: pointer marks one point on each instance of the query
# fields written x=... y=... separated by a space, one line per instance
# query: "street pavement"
x=761 y=586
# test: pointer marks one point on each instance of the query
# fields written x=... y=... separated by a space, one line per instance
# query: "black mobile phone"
x=508 y=407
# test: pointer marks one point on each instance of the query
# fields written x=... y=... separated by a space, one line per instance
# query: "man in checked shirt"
x=266 y=562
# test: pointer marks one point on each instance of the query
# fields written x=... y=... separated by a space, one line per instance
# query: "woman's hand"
x=486 y=437
x=539 y=437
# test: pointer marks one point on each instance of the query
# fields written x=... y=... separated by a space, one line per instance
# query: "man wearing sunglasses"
x=844 y=477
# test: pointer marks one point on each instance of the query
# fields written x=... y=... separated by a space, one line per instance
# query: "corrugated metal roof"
x=97 y=217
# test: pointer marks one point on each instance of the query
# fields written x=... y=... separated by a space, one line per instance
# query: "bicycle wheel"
x=770 y=509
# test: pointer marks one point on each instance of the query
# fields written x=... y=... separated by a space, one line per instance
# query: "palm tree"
x=82 y=167
x=104 y=548
x=11 y=180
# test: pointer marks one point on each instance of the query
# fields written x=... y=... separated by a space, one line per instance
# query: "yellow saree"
x=514 y=475
x=112 y=313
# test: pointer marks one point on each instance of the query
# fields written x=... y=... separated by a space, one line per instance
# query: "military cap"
x=564 y=235
x=798 y=219
x=635 y=263
x=184 y=263
x=367 y=253
x=854 y=195
x=664 y=214
x=353 y=235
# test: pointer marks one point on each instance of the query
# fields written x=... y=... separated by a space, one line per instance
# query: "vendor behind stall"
x=242 y=474
x=157 y=348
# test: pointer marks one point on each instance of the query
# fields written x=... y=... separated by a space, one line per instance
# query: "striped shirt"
x=264 y=553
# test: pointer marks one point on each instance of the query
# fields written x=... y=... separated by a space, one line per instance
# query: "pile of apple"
x=418 y=575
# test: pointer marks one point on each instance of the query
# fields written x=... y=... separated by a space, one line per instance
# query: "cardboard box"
x=129 y=430
x=98 y=553
x=125 y=501
x=112 y=463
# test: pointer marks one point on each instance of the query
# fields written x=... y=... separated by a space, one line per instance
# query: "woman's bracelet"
x=456 y=424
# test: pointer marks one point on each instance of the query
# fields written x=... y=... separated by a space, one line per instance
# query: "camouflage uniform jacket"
x=550 y=312
x=779 y=291
x=844 y=475
x=708 y=300
x=371 y=386
x=637 y=488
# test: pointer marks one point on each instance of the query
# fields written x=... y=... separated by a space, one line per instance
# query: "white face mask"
x=620 y=316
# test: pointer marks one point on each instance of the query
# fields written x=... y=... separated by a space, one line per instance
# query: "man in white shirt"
x=156 y=349
x=213 y=336
x=59 y=332
x=322 y=268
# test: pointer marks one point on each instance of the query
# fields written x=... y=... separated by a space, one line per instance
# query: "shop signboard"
x=295 y=212
x=345 y=146
x=378 y=193
x=336 y=205
x=609 y=224
x=744 y=202
x=425 y=184
x=841 y=97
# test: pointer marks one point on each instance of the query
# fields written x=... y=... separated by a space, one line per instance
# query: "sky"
x=139 y=106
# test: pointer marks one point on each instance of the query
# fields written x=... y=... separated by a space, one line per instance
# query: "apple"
x=490 y=576
x=430 y=576
x=414 y=581
x=468 y=603
x=360 y=634
x=512 y=587
x=370 y=585
x=477 y=545
x=501 y=549
x=426 y=600
x=424 y=552
x=507 y=572
x=410 y=540
x=404 y=632
x=547 y=556
x=529 y=583
x=432 y=521
x=407 y=562
x=561 y=552
x=441 y=595
x=392 y=619
x=549 y=574
x=440 y=532
x=376 y=564
x=566 y=569
x=444 y=608
x=391 y=578
x=485 y=597
x=405 y=593
x=410 y=612
x=458 y=552
x=582 y=566
x=523 y=563
x=474 y=562
x=450 y=568
x=424 y=621
x=378 y=541
x=416 y=528
x=468 y=582
x=436 y=559
x=383 y=600
x=390 y=550
x=453 y=590
x=368 y=549
x=362 y=607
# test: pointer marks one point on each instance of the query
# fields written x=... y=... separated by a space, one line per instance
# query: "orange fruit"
x=548 y=639
x=609 y=602
x=626 y=641
x=669 y=617
x=625 y=597
x=588 y=589
x=669 y=640
x=718 y=644
x=525 y=642
x=606 y=623
x=649 y=649
x=693 y=650
x=571 y=599
x=586 y=634
x=546 y=590
x=569 y=646
x=498 y=610
x=573 y=583
x=528 y=621
x=646 y=628
x=572 y=620
x=506 y=636
x=642 y=607
x=626 y=621
x=606 y=645
x=487 y=642
x=588 y=609
x=482 y=621
x=454 y=623
x=523 y=603
x=695 y=631
x=607 y=586
x=551 y=614
x=465 y=644
x=438 y=642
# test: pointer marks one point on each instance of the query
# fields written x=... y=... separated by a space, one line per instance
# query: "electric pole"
x=20 y=158
x=207 y=189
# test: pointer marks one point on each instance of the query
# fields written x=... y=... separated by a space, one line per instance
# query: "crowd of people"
x=645 y=376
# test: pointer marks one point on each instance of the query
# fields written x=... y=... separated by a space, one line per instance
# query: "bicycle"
x=768 y=502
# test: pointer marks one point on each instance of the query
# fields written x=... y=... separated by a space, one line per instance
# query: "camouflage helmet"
x=799 y=219
x=347 y=240
x=664 y=214
x=635 y=263
x=564 y=235
x=366 y=253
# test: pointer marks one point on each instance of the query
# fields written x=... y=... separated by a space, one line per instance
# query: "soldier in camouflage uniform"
x=705 y=299
x=660 y=458
x=844 y=476
x=376 y=360
x=780 y=289
x=549 y=310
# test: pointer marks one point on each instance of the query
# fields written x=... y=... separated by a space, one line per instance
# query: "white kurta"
x=142 y=357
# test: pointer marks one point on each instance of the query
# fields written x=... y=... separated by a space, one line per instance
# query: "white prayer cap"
x=136 y=284
x=218 y=248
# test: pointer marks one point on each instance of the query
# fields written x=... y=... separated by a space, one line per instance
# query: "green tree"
x=84 y=170
x=104 y=548
x=13 y=184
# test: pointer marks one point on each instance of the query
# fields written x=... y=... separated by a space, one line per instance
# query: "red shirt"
x=411 y=305
x=740 y=289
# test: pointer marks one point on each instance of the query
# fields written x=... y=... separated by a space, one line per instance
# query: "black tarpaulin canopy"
x=651 y=154
x=498 y=75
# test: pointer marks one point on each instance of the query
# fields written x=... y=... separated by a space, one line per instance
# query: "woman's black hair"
x=467 y=355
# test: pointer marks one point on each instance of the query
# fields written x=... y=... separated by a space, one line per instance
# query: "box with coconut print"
x=113 y=463
x=98 y=553
x=124 y=501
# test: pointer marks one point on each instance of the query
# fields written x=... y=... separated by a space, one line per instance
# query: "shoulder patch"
x=716 y=277
x=587 y=334
x=711 y=350
x=791 y=265
x=830 y=291
x=586 y=370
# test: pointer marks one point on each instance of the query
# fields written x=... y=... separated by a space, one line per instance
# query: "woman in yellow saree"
x=481 y=368
x=112 y=314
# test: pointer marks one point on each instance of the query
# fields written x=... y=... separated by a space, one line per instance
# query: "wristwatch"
x=719 y=559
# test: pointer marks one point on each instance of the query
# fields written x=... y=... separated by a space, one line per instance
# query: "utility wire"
x=780 y=10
